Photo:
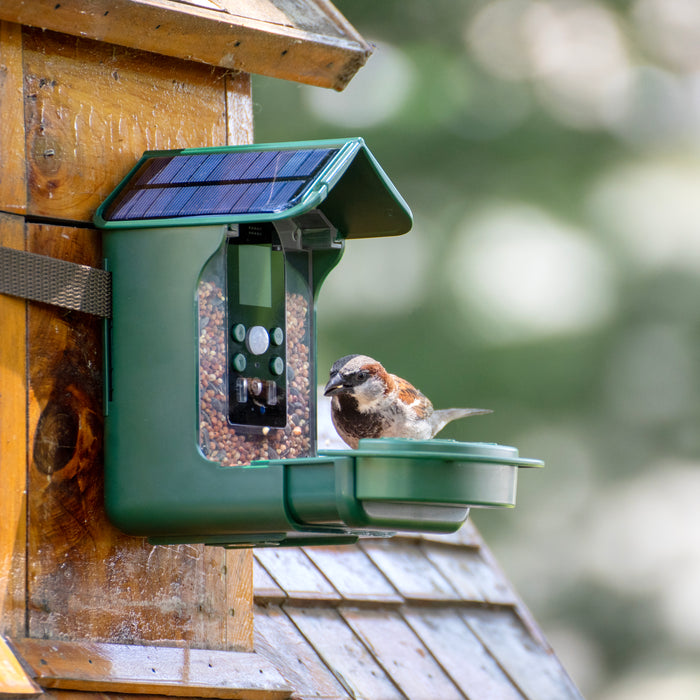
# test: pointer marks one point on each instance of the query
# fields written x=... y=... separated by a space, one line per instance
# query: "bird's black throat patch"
x=356 y=423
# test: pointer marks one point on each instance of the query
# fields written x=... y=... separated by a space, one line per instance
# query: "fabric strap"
x=54 y=281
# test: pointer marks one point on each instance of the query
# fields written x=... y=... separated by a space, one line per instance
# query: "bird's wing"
x=412 y=398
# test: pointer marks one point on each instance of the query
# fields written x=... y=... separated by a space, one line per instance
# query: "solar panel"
x=210 y=184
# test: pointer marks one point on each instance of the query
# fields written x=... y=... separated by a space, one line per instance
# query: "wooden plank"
x=122 y=668
x=239 y=599
x=264 y=586
x=281 y=643
x=306 y=41
x=401 y=654
x=342 y=651
x=13 y=179
x=78 y=562
x=472 y=577
x=533 y=668
x=409 y=570
x=296 y=574
x=460 y=653
x=13 y=446
x=353 y=574
x=239 y=109
x=14 y=682
x=92 y=109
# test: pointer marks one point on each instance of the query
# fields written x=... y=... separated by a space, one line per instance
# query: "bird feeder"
x=217 y=256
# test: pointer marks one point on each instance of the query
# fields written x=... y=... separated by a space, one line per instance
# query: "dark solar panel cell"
x=171 y=204
x=276 y=195
x=207 y=200
x=119 y=211
x=266 y=161
x=205 y=169
x=188 y=169
x=168 y=172
x=272 y=169
x=313 y=162
x=294 y=166
x=232 y=195
x=149 y=170
x=146 y=199
x=232 y=166
x=245 y=197
x=155 y=201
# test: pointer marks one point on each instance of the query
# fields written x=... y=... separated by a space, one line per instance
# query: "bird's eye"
x=362 y=375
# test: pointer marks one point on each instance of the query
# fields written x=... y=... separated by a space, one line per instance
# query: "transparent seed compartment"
x=255 y=317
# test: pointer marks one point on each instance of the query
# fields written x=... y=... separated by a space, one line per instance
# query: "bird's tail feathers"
x=444 y=416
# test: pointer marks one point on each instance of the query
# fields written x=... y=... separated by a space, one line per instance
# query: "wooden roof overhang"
x=306 y=41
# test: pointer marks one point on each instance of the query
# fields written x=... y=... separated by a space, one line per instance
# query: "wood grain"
x=353 y=574
x=14 y=682
x=239 y=109
x=402 y=655
x=296 y=574
x=92 y=109
x=460 y=653
x=280 y=642
x=303 y=40
x=181 y=672
x=13 y=181
x=239 y=599
x=409 y=570
x=349 y=659
x=13 y=446
x=533 y=668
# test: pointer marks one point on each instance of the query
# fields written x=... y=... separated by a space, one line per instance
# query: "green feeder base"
x=385 y=486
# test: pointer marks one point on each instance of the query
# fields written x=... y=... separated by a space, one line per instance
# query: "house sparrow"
x=368 y=402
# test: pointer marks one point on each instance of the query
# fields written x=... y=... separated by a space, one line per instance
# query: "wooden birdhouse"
x=86 y=88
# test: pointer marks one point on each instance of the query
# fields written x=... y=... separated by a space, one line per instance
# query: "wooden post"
x=76 y=114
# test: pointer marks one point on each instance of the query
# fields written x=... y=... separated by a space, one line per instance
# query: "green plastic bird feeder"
x=217 y=256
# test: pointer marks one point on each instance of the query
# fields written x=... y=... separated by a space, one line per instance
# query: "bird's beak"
x=334 y=386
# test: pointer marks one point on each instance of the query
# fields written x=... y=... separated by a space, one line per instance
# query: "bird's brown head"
x=359 y=376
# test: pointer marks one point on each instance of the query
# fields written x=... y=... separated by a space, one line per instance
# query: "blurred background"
x=550 y=152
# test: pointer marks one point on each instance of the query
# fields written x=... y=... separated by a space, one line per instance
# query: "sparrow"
x=369 y=402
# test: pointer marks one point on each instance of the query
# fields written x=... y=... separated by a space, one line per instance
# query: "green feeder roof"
x=261 y=182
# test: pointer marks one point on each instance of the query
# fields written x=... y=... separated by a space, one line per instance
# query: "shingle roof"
x=408 y=617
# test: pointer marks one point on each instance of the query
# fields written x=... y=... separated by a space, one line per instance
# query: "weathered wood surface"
x=471 y=576
x=13 y=185
x=296 y=574
x=352 y=661
x=353 y=574
x=307 y=41
x=278 y=640
x=461 y=654
x=92 y=109
x=120 y=668
x=14 y=681
x=409 y=571
x=13 y=442
x=430 y=619
x=266 y=590
x=402 y=654
x=533 y=668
